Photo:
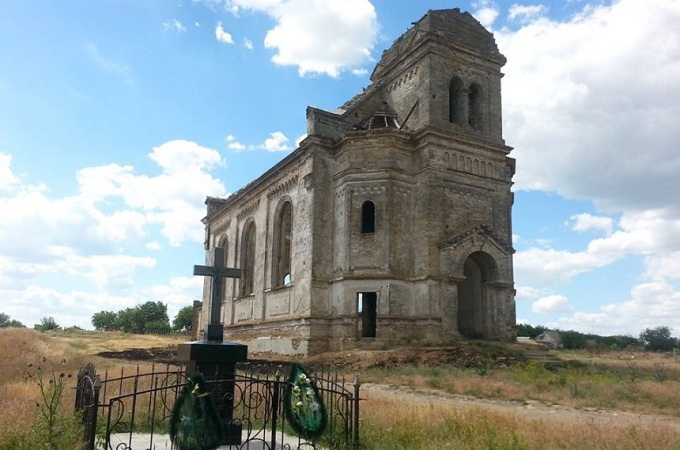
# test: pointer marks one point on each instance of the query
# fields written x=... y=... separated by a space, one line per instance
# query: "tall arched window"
x=248 y=259
x=282 y=249
x=456 y=101
x=368 y=217
x=475 y=106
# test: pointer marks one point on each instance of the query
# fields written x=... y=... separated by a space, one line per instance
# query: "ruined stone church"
x=390 y=224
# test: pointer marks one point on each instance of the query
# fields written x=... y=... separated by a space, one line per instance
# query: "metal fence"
x=131 y=411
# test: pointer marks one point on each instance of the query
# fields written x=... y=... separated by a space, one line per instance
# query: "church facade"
x=390 y=224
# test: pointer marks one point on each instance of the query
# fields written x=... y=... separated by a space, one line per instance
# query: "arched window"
x=248 y=259
x=475 y=106
x=456 y=101
x=368 y=217
x=282 y=249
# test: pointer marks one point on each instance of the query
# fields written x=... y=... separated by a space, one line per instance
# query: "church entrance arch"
x=479 y=269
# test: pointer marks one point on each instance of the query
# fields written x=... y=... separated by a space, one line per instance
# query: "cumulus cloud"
x=276 y=142
x=587 y=126
x=551 y=304
x=222 y=36
x=306 y=33
x=91 y=239
x=587 y=222
x=582 y=122
x=650 y=305
x=486 y=12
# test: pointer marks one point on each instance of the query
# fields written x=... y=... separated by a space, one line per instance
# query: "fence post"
x=93 y=413
x=275 y=406
x=357 y=385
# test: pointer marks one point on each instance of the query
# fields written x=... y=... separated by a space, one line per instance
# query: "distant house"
x=550 y=339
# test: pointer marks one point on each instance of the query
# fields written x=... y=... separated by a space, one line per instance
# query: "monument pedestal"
x=217 y=361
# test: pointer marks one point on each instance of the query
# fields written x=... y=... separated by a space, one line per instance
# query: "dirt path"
x=530 y=409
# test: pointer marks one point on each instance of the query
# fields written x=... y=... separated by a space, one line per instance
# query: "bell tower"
x=457 y=67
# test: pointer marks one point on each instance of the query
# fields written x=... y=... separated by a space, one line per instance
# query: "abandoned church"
x=390 y=224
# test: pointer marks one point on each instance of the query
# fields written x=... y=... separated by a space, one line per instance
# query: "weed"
x=659 y=372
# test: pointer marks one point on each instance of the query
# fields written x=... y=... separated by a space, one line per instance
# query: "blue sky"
x=118 y=118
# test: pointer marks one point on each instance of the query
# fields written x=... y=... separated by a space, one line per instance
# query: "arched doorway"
x=479 y=268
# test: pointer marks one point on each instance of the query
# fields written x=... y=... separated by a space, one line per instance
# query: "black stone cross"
x=215 y=331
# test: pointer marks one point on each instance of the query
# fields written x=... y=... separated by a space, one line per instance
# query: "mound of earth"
x=164 y=355
x=463 y=354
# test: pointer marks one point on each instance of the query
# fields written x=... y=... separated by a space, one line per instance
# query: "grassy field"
x=35 y=364
x=39 y=368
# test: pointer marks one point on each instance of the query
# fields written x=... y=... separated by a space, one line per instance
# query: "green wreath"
x=304 y=405
x=195 y=424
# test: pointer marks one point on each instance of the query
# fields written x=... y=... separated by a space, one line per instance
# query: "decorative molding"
x=483 y=232
x=361 y=190
x=402 y=80
x=469 y=194
x=283 y=187
x=221 y=227
x=475 y=166
x=248 y=209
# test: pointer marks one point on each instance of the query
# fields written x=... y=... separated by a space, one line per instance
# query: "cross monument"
x=214 y=332
x=213 y=357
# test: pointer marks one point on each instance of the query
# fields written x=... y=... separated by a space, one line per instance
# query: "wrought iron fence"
x=133 y=411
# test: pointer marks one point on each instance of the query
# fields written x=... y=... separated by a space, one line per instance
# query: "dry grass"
x=24 y=352
x=393 y=425
x=615 y=381
x=627 y=387
x=91 y=343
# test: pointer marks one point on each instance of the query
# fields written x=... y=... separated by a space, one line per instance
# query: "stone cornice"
x=249 y=208
x=282 y=187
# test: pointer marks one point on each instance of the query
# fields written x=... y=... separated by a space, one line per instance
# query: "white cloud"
x=223 y=36
x=650 y=305
x=586 y=222
x=486 y=12
x=550 y=267
x=92 y=238
x=233 y=144
x=551 y=304
x=583 y=122
x=247 y=43
x=526 y=13
x=306 y=33
x=174 y=25
x=663 y=266
x=276 y=142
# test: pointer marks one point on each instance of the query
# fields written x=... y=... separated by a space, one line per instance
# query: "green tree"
x=130 y=321
x=183 y=319
x=658 y=339
x=105 y=321
x=149 y=317
x=48 y=324
x=526 y=330
x=153 y=312
x=7 y=322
